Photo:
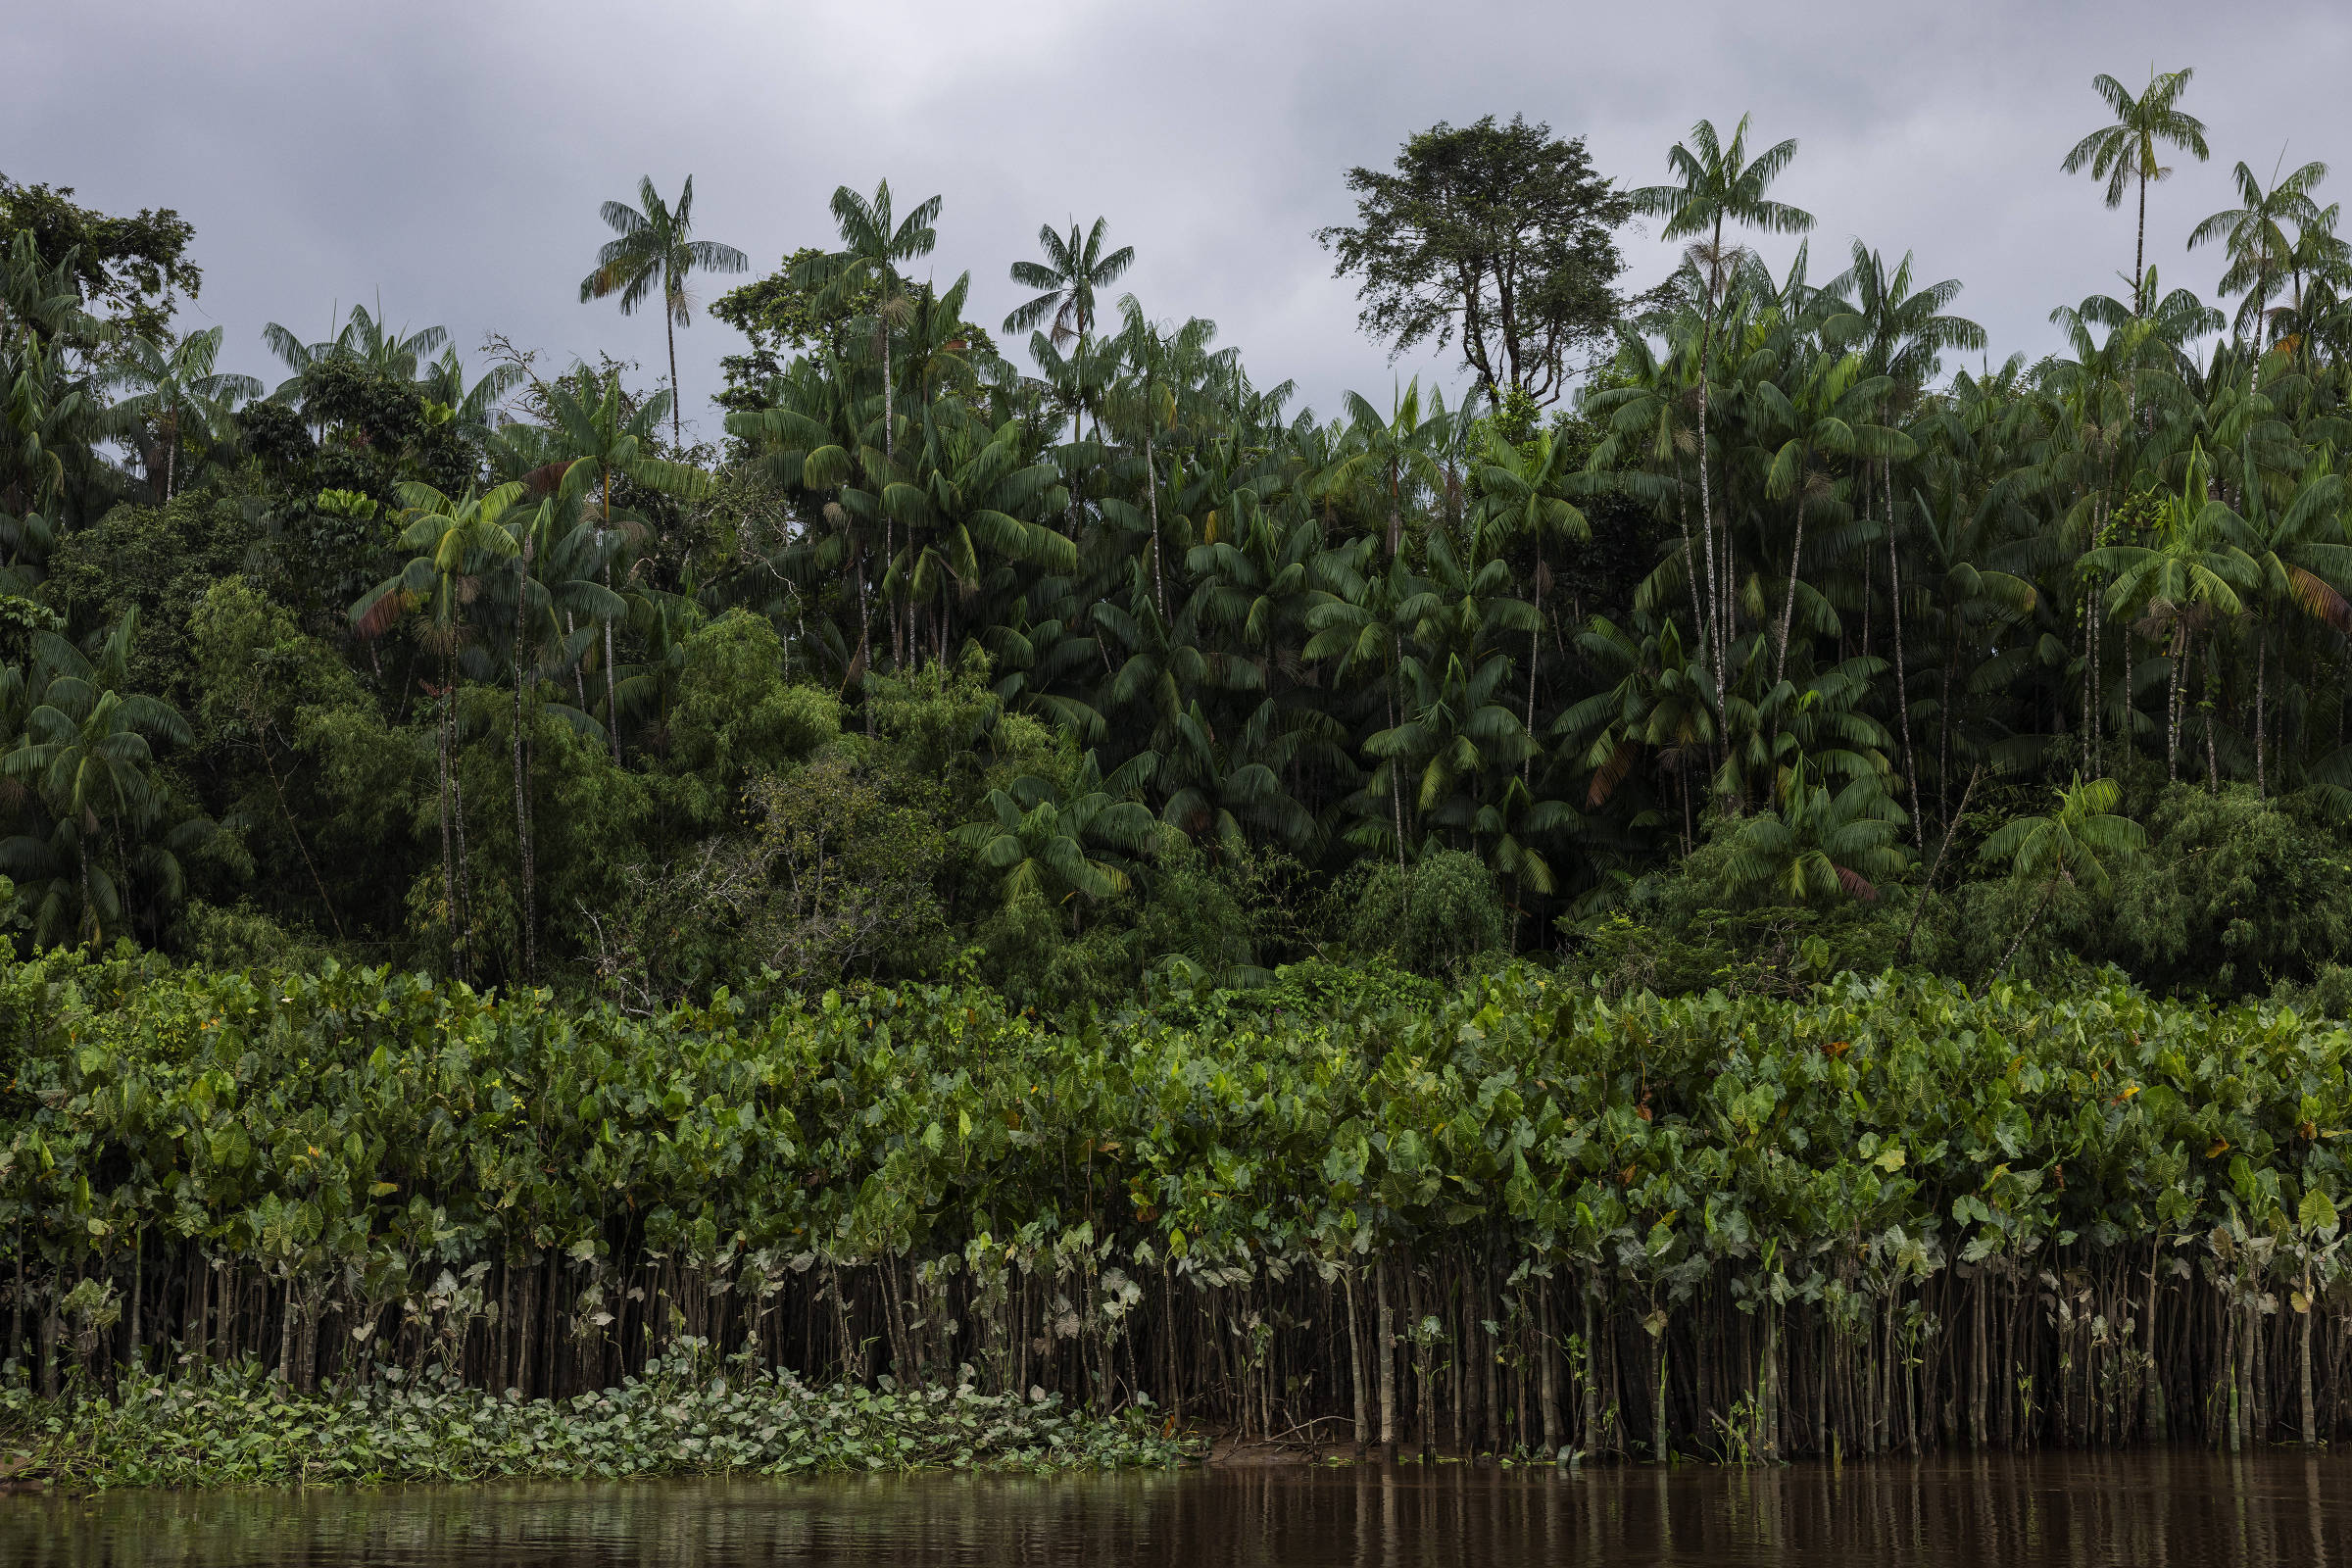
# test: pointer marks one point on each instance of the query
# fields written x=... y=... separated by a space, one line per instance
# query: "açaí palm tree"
x=656 y=250
x=2124 y=152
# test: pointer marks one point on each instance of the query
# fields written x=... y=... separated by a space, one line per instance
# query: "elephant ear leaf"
x=2318 y=1213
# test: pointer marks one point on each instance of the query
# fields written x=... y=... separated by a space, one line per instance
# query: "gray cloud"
x=451 y=157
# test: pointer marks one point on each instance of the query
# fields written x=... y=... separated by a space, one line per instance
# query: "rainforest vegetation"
x=1708 y=635
x=1891 y=1216
x=1058 y=869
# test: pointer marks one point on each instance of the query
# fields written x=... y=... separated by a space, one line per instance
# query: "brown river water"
x=2158 y=1508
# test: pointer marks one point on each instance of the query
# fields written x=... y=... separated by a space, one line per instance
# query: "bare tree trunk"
x=1384 y=1344
x=139 y=1293
x=1355 y=1364
x=2152 y=1405
x=1546 y=1370
x=2311 y=1310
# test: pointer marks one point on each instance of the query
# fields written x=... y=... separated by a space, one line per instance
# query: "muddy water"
x=2150 y=1509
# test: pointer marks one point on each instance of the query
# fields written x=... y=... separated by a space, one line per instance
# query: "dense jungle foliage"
x=1725 y=634
x=1517 y=1217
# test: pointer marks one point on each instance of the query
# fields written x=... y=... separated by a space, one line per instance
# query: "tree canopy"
x=1721 y=637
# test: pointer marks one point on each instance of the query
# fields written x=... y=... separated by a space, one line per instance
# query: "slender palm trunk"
x=2139 y=253
x=1397 y=784
x=1726 y=609
x=456 y=802
x=2173 y=695
x=2050 y=891
x=1384 y=1346
x=1535 y=648
x=677 y=440
x=1698 y=606
x=863 y=655
x=2261 y=671
x=1796 y=556
x=522 y=794
x=611 y=702
x=1919 y=906
x=890 y=450
x=449 y=854
x=294 y=830
x=1902 y=686
x=2213 y=766
x=1718 y=635
x=1151 y=499
x=2311 y=1310
x=1355 y=1365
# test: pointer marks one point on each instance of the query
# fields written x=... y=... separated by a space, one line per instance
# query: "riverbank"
x=1890 y=1217
x=224 y=1427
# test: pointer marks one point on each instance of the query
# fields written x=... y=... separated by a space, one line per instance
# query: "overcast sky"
x=451 y=157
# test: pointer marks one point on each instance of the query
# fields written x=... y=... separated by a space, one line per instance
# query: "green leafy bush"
x=228 y=1427
x=924 y=1179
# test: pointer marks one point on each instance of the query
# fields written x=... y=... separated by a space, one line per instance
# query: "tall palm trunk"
x=1152 y=498
x=2213 y=766
x=890 y=450
x=2174 y=690
x=1534 y=648
x=2050 y=891
x=612 y=702
x=670 y=325
x=1717 y=633
x=2261 y=671
x=1698 y=606
x=522 y=794
x=1796 y=556
x=449 y=857
x=456 y=802
x=2139 y=252
x=90 y=900
x=1902 y=688
x=1397 y=785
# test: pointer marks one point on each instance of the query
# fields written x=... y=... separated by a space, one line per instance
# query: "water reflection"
x=2158 y=1509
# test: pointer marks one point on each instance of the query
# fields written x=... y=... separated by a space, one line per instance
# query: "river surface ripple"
x=2158 y=1508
